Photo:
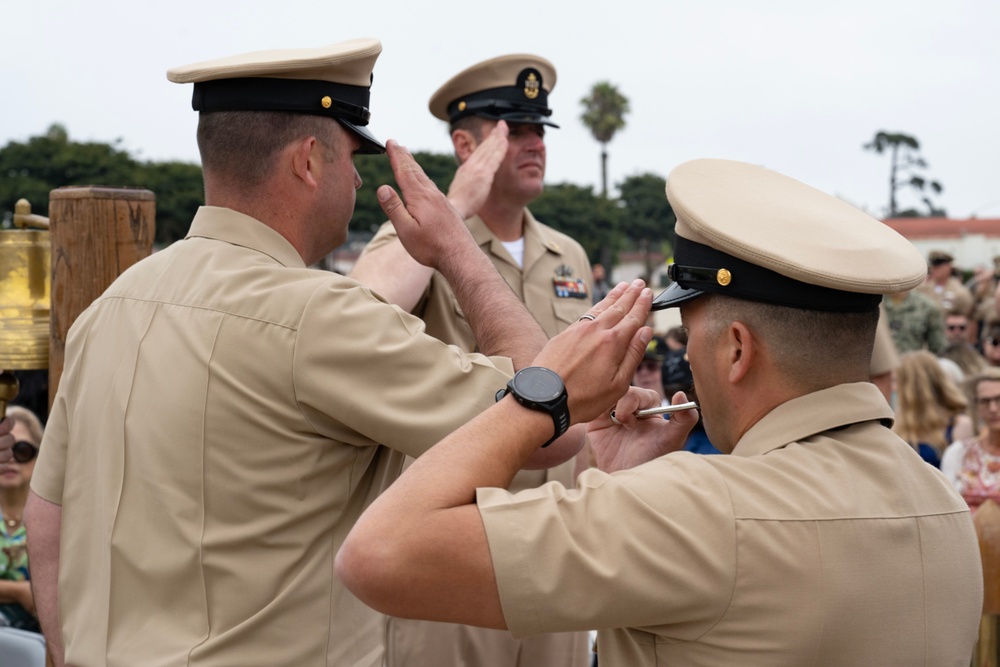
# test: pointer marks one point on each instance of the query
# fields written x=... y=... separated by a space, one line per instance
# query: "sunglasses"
x=24 y=451
x=956 y=327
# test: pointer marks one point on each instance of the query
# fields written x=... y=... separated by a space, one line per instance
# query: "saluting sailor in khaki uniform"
x=226 y=413
x=548 y=271
x=822 y=539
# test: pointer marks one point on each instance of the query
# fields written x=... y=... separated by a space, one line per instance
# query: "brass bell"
x=25 y=299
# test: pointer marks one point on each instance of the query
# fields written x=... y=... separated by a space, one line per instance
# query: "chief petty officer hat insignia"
x=754 y=234
x=514 y=88
x=331 y=81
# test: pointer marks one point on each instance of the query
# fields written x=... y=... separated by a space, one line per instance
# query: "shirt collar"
x=229 y=226
x=820 y=411
x=534 y=233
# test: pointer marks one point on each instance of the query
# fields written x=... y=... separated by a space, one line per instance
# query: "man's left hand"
x=634 y=440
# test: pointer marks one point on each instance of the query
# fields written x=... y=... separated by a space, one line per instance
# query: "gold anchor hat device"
x=514 y=88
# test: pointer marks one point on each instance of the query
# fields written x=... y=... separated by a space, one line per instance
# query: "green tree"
x=904 y=163
x=179 y=191
x=604 y=114
x=375 y=171
x=31 y=170
x=649 y=218
x=576 y=211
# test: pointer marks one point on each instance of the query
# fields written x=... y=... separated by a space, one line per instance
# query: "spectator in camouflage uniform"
x=916 y=322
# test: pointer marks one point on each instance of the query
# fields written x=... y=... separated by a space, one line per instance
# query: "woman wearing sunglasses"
x=17 y=607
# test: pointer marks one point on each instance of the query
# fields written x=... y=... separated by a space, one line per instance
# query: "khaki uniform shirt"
x=822 y=540
x=953 y=295
x=884 y=355
x=224 y=417
x=555 y=286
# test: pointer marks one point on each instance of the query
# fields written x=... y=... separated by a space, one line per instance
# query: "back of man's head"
x=241 y=148
x=809 y=349
x=803 y=270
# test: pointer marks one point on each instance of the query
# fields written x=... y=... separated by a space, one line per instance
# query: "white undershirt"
x=516 y=250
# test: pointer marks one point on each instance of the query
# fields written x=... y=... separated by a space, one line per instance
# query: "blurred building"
x=973 y=242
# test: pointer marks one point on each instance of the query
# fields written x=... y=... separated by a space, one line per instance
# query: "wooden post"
x=96 y=233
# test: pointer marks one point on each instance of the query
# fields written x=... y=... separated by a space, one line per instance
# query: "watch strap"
x=558 y=409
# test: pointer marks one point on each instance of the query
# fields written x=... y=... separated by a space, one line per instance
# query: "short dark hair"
x=242 y=145
x=810 y=347
x=678 y=334
x=472 y=124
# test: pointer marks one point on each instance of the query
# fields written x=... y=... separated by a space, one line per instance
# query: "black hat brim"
x=369 y=144
x=674 y=296
x=516 y=117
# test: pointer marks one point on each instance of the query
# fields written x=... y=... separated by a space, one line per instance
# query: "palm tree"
x=604 y=114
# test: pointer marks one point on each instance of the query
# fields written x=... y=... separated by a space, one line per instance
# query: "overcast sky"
x=794 y=85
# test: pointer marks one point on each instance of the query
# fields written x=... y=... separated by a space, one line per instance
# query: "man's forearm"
x=427 y=521
x=434 y=234
x=43 y=521
x=456 y=580
x=389 y=271
x=499 y=321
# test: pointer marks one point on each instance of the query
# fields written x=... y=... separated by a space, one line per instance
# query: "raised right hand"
x=428 y=225
x=474 y=178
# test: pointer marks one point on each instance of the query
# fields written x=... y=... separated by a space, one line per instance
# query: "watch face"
x=538 y=384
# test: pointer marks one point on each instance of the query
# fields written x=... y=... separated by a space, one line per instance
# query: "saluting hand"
x=597 y=358
x=428 y=225
x=474 y=178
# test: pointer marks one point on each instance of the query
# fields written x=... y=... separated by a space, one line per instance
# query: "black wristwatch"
x=539 y=388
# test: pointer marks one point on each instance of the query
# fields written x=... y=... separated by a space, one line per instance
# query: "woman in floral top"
x=17 y=606
x=973 y=465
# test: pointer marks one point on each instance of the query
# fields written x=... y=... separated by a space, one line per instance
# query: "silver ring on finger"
x=587 y=316
x=615 y=419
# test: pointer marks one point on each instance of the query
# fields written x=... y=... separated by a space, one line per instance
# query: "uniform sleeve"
x=365 y=373
x=48 y=477
x=49 y=474
x=885 y=358
x=386 y=234
x=652 y=546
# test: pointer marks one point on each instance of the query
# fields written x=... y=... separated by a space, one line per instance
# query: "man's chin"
x=534 y=187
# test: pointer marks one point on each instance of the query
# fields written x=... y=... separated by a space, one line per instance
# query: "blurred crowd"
x=946 y=372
